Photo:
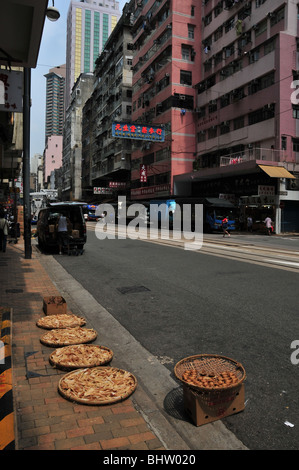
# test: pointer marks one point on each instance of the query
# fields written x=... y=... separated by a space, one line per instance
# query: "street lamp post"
x=52 y=14
x=26 y=164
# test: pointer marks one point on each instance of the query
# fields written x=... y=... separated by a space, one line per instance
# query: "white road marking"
x=281 y=262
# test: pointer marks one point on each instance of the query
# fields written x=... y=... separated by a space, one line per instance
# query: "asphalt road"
x=178 y=303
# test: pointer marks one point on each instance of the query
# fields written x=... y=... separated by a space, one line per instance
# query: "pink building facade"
x=52 y=156
x=251 y=70
x=166 y=44
x=247 y=120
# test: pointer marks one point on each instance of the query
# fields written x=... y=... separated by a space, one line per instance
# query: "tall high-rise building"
x=55 y=88
x=89 y=24
x=55 y=93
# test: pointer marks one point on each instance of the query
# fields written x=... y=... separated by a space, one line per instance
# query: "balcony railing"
x=266 y=154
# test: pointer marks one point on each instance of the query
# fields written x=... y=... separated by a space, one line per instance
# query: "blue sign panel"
x=138 y=131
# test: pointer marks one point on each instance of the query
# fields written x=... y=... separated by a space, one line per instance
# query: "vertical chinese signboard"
x=143 y=173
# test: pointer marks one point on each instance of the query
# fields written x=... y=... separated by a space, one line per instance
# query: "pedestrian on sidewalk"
x=249 y=223
x=3 y=231
x=63 y=227
x=268 y=223
x=224 y=226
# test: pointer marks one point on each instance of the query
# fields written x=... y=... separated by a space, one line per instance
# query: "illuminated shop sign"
x=138 y=131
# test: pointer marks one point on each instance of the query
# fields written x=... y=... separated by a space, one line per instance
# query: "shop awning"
x=276 y=171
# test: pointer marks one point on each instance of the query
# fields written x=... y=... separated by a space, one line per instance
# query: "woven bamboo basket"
x=210 y=373
x=68 y=336
x=79 y=353
x=97 y=385
x=51 y=322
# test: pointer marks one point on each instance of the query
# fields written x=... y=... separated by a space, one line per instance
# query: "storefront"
x=253 y=186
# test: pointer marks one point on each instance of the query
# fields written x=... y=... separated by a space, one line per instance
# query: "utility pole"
x=26 y=163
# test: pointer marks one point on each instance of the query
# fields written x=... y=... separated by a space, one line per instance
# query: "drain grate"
x=132 y=289
x=14 y=291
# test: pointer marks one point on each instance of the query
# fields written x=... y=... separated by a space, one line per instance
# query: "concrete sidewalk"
x=42 y=419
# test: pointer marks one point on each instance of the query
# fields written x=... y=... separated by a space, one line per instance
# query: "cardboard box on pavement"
x=54 y=305
x=204 y=408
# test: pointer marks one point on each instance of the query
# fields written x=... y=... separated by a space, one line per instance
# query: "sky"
x=51 y=54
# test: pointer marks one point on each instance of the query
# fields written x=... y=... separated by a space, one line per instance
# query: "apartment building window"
x=262 y=114
x=260 y=28
x=218 y=9
x=206 y=84
x=295 y=111
x=269 y=46
x=163 y=154
x=229 y=24
x=258 y=3
x=229 y=50
x=180 y=101
x=148 y=159
x=207 y=19
x=208 y=65
x=212 y=132
x=244 y=40
x=233 y=67
x=225 y=100
x=186 y=52
x=295 y=145
x=163 y=178
x=201 y=112
x=237 y=94
x=238 y=123
x=218 y=33
x=218 y=58
x=192 y=10
x=254 y=56
x=185 y=77
x=201 y=136
x=261 y=83
x=212 y=106
x=224 y=127
x=246 y=11
x=277 y=16
x=283 y=142
x=191 y=28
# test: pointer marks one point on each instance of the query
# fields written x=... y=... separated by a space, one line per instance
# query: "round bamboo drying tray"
x=51 y=322
x=68 y=336
x=97 y=385
x=209 y=372
x=79 y=356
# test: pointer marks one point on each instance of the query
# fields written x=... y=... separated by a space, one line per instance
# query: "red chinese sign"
x=150 y=191
x=117 y=184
